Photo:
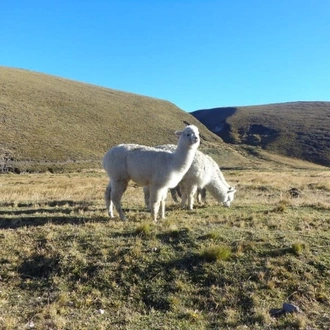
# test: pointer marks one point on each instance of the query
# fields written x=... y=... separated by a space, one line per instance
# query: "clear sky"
x=197 y=54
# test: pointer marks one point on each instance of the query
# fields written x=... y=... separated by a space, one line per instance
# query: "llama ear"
x=178 y=133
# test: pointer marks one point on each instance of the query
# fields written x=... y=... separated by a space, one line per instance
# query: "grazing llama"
x=204 y=173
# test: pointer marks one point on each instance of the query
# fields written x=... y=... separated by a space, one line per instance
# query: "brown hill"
x=296 y=129
x=56 y=124
x=46 y=119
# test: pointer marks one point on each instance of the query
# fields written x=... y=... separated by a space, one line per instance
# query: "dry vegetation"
x=65 y=265
x=52 y=123
x=294 y=129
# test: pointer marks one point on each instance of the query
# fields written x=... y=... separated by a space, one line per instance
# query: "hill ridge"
x=295 y=129
x=47 y=119
x=56 y=124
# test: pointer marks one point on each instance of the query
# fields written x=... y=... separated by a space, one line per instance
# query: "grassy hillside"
x=55 y=124
x=297 y=129
x=47 y=119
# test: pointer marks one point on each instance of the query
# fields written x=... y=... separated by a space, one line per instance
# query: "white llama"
x=147 y=166
x=204 y=173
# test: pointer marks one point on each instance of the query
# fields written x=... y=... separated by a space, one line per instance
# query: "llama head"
x=190 y=135
x=230 y=196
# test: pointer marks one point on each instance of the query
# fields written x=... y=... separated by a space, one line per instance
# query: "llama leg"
x=198 y=196
x=183 y=193
x=146 y=191
x=191 y=194
x=117 y=190
x=174 y=195
x=177 y=188
x=156 y=196
x=203 y=195
x=183 y=199
x=110 y=210
x=163 y=204
x=108 y=202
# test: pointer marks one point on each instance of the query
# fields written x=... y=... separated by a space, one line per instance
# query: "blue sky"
x=197 y=54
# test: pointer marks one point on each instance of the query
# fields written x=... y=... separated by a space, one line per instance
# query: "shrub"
x=215 y=253
x=144 y=229
x=297 y=248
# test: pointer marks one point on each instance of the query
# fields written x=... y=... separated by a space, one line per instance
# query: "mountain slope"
x=295 y=129
x=51 y=123
x=49 y=119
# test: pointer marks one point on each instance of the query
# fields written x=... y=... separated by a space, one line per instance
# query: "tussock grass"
x=143 y=229
x=298 y=248
x=65 y=265
x=216 y=253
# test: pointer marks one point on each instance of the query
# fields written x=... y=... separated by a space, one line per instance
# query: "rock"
x=290 y=308
x=286 y=308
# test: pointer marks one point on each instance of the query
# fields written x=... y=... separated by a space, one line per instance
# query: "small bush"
x=144 y=229
x=297 y=248
x=213 y=235
x=215 y=253
x=281 y=207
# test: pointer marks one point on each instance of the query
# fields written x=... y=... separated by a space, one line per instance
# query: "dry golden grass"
x=38 y=189
x=65 y=265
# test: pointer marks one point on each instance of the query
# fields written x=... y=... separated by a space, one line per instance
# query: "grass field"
x=65 y=265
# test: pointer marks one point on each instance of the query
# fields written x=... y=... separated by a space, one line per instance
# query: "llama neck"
x=218 y=190
x=183 y=158
x=222 y=178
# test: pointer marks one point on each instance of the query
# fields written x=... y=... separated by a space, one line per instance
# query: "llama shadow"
x=40 y=214
x=277 y=252
x=14 y=223
x=35 y=211
x=177 y=238
x=38 y=267
x=69 y=203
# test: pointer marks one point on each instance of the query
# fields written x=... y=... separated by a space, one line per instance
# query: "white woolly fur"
x=147 y=166
x=203 y=173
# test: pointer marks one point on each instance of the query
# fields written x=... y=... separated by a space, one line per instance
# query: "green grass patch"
x=216 y=253
x=144 y=229
x=298 y=248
